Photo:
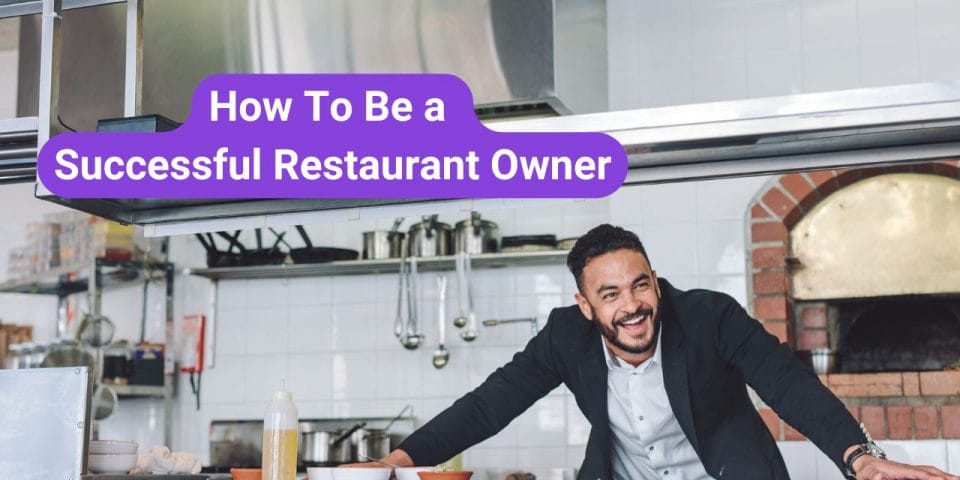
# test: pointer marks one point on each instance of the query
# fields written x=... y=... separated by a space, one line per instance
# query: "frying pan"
x=263 y=256
x=216 y=258
x=311 y=254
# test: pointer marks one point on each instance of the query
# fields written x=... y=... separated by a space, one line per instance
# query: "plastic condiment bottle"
x=280 y=434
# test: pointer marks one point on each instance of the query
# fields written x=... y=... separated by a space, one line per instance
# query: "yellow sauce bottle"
x=280 y=434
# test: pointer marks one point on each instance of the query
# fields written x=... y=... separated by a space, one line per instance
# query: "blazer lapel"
x=593 y=377
x=675 y=370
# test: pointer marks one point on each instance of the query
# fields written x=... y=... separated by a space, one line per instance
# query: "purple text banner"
x=332 y=136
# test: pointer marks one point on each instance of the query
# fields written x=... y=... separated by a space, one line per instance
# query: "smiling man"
x=662 y=375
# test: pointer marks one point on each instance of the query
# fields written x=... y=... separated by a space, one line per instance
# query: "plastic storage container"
x=280 y=434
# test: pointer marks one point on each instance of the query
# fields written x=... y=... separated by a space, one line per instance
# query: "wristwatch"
x=868 y=448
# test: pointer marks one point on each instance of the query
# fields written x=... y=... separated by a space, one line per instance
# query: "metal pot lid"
x=469 y=223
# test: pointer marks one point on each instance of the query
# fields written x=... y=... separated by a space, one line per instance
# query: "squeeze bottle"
x=280 y=434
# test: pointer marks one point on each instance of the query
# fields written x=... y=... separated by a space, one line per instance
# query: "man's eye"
x=609 y=296
x=642 y=286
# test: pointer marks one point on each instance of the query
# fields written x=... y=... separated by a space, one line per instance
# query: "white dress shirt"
x=648 y=443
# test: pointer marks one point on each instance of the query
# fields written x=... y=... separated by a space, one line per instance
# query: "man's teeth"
x=635 y=320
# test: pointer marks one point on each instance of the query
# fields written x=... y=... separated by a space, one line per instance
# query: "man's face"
x=620 y=294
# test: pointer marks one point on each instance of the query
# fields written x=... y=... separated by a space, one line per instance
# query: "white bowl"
x=320 y=473
x=111 y=463
x=410 y=473
x=361 y=473
x=112 y=447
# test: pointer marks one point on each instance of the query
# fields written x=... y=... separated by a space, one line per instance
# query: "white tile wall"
x=670 y=53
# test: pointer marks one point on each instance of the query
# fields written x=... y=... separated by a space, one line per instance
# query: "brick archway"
x=929 y=412
x=774 y=211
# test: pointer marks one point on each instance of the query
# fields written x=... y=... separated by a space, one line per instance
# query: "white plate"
x=112 y=447
x=121 y=463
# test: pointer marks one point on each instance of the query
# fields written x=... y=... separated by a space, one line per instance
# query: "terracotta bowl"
x=245 y=473
x=453 y=475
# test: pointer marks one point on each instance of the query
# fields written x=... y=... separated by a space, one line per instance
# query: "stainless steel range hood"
x=529 y=58
x=546 y=56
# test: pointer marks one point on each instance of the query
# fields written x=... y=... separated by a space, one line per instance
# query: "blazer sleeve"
x=785 y=383
x=480 y=414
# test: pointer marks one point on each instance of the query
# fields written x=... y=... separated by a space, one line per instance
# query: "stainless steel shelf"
x=50 y=282
x=366 y=267
x=141 y=391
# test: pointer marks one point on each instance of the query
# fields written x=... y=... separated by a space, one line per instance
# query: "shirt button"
x=640 y=418
x=651 y=448
x=666 y=472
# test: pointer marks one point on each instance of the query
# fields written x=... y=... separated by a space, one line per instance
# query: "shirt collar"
x=614 y=362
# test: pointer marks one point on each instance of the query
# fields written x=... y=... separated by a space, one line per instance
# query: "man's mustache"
x=639 y=313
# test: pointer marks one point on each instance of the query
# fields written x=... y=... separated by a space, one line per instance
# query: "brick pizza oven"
x=866 y=263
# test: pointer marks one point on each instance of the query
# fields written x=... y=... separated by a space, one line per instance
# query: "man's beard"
x=610 y=332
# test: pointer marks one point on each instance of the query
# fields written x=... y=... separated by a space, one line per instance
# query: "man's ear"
x=584 y=306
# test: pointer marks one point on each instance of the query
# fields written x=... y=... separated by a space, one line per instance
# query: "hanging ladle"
x=461 y=320
x=411 y=340
x=398 y=323
x=470 y=334
x=441 y=355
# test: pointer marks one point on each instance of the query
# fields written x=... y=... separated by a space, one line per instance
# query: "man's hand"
x=872 y=468
x=397 y=457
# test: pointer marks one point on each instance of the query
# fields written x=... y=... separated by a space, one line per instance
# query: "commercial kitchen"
x=801 y=156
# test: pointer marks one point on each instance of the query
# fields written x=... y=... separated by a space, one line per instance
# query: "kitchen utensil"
x=399 y=321
x=104 y=402
x=459 y=261
x=534 y=328
x=528 y=243
x=376 y=442
x=311 y=254
x=68 y=355
x=450 y=475
x=233 y=241
x=441 y=356
x=567 y=243
x=372 y=442
x=470 y=334
x=412 y=338
x=381 y=462
x=381 y=244
x=329 y=446
x=475 y=235
x=96 y=331
x=111 y=463
x=263 y=256
x=430 y=238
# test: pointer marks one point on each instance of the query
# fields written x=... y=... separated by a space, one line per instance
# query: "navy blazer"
x=712 y=349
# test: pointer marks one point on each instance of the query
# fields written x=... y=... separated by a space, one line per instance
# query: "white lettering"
x=284 y=161
x=316 y=95
x=512 y=166
x=72 y=170
x=230 y=105
x=376 y=106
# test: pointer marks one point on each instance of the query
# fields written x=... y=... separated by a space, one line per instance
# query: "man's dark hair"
x=598 y=241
